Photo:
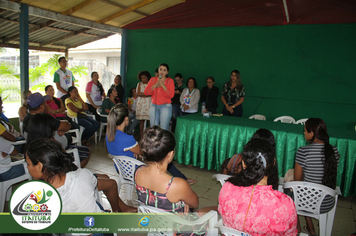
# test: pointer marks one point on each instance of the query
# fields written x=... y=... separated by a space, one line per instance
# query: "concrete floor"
x=208 y=190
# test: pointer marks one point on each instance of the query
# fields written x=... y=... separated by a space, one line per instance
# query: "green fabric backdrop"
x=297 y=70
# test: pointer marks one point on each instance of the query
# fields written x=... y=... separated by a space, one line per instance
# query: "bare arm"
x=137 y=150
x=6 y=135
x=64 y=126
x=181 y=191
x=298 y=172
x=22 y=112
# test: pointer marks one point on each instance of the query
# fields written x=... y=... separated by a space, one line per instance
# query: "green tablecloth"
x=207 y=142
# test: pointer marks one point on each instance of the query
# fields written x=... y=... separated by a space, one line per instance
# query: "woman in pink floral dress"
x=248 y=204
x=143 y=101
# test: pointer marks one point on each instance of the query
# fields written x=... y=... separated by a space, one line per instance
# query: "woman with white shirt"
x=190 y=97
x=95 y=94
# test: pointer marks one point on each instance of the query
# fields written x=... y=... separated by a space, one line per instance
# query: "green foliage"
x=51 y=66
x=8 y=72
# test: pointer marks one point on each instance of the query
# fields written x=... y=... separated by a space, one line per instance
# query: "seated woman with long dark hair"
x=249 y=204
x=75 y=108
x=119 y=143
x=317 y=163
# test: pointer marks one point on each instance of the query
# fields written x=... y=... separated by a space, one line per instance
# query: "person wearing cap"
x=36 y=104
x=63 y=78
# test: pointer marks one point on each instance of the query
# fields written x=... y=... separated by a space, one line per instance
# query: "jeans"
x=175 y=172
x=14 y=172
x=90 y=125
x=237 y=111
x=176 y=111
x=160 y=115
x=133 y=122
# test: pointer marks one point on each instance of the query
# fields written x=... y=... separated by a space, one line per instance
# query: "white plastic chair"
x=162 y=220
x=77 y=138
x=81 y=128
x=102 y=124
x=257 y=117
x=6 y=186
x=221 y=178
x=285 y=119
x=229 y=231
x=308 y=198
x=126 y=167
x=301 y=121
x=76 y=156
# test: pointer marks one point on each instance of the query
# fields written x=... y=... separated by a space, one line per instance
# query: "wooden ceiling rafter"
x=78 y=7
x=125 y=11
x=11 y=45
x=71 y=34
x=123 y=7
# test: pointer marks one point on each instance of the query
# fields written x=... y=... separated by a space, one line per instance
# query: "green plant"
x=7 y=72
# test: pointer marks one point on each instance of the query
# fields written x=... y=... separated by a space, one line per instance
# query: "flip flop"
x=191 y=181
x=307 y=231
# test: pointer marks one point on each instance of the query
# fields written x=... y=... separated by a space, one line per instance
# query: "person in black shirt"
x=176 y=111
x=209 y=95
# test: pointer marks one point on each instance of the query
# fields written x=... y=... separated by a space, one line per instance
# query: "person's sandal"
x=86 y=143
x=191 y=181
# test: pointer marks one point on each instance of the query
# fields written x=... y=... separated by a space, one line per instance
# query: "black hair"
x=59 y=59
x=156 y=70
x=110 y=92
x=56 y=101
x=318 y=127
x=195 y=82
x=70 y=89
x=165 y=65
x=52 y=156
x=40 y=125
x=100 y=86
x=254 y=154
x=224 y=165
x=265 y=134
x=210 y=77
x=179 y=75
x=146 y=73
x=156 y=143
x=131 y=93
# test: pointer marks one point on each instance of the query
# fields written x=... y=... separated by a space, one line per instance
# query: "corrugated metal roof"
x=60 y=24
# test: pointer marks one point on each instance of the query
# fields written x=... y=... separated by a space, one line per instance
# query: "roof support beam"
x=125 y=11
x=78 y=7
x=123 y=7
x=71 y=34
x=12 y=6
x=10 y=45
x=24 y=35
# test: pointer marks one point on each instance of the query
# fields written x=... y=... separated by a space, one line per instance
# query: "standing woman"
x=143 y=101
x=233 y=95
x=161 y=89
x=209 y=95
x=95 y=94
x=75 y=108
x=317 y=163
x=190 y=97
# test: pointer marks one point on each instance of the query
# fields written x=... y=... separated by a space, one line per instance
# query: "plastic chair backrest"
x=309 y=196
x=211 y=217
x=285 y=119
x=126 y=166
x=301 y=121
x=221 y=178
x=76 y=156
x=257 y=117
x=229 y=231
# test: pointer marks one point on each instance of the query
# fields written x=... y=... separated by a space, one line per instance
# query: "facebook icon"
x=89 y=221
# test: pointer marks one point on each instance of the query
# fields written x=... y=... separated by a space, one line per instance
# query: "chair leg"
x=101 y=131
x=8 y=194
x=330 y=220
x=322 y=224
x=2 y=196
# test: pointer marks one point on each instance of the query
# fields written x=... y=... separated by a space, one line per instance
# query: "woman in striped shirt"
x=317 y=163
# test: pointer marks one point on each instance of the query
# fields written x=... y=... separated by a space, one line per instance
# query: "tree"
x=7 y=72
x=51 y=66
